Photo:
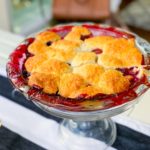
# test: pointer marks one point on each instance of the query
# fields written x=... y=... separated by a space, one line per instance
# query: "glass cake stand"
x=95 y=122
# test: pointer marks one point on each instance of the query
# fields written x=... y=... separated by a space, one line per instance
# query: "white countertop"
x=9 y=41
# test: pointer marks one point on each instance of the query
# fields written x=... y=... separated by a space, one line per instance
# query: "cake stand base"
x=95 y=135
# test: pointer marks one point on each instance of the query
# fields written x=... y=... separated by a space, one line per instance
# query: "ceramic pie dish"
x=80 y=68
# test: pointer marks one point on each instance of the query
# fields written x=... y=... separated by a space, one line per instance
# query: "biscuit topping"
x=80 y=63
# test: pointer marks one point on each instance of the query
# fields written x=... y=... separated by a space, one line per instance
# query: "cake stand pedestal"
x=78 y=128
x=102 y=130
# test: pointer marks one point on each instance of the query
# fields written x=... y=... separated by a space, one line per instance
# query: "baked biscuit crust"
x=82 y=58
x=43 y=40
x=76 y=33
x=53 y=66
x=48 y=82
x=125 y=50
x=96 y=42
x=70 y=83
x=90 y=72
x=113 y=81
x=47 y=36
x=72 y=67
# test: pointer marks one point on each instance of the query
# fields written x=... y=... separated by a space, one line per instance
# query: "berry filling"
x=48 y=43
x=97 y=51
x=83 y=37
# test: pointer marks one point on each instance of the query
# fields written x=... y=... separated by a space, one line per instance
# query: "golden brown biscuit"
x=53 y=66
x=64 y=50
x=75 y=34
x=33 y=62
x=118 y=46
x=81 y=30
x=113 y=81
x=95 y=42
x=40 y=43
x=83 y=58
x=125 y=50
x=65 y=45
x=90 y=72
x=109 y=61
x=133 y=57
x=47 y=36
x=49 y=82
x=57 y=54
x=86 y=92
x=70 y=83
x=36 y=47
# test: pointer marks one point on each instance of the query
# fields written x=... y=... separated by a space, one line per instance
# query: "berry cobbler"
x=75 y=66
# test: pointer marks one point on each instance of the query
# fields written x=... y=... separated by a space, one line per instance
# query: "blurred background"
x=27 y=16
